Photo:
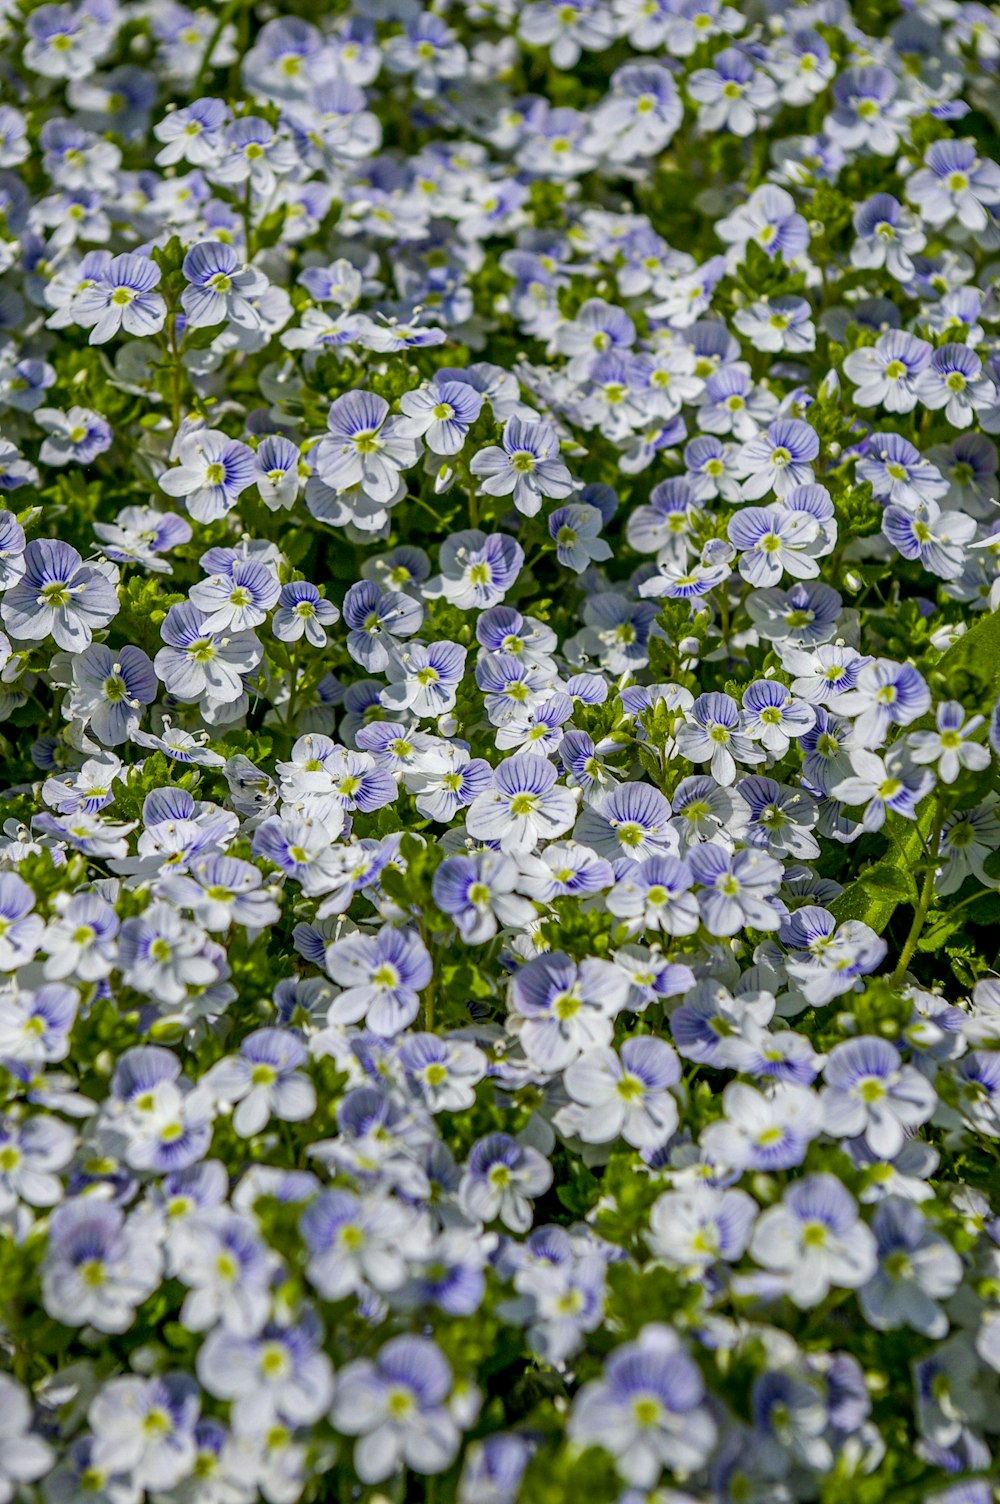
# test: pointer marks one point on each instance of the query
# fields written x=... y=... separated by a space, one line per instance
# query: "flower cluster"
x=500 y=720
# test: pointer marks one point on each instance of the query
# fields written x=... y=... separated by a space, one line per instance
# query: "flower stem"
x=925 y=899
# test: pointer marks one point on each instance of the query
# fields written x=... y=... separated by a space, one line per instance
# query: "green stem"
x=225 y=15
x=246 y=210
x=175 y=370
x=925 y=899
x=293 y=686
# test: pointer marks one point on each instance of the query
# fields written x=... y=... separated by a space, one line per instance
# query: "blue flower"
x=647 y=1409
x=123 y=298
x=527 y=466
x=58 y=595
x=382 y=976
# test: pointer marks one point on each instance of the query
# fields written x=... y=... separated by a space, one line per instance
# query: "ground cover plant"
x=499 y=673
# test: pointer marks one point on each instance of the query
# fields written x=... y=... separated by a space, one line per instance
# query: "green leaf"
x=889 y=882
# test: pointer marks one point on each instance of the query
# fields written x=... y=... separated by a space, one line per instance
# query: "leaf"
x=887 y=881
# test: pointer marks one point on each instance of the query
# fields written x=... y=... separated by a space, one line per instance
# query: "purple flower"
x=938 y=539
x=59 y=595
x=528 y=465
x=423 y=678
x=779 y=460
x=866 y=111
x=737 y=888
x=192 y=134
x=955 y=181
x=954 y=380
x=885 y=694
x=626 y=1095
x=441 y=413
x=382 y=976
x=20 y=929
x=199 y=664
x=303 y=611
x=396 y=1405
x=524 y=806
x=376 y=619
x=264 y=1080
x=277 y=464
x=869 y=1090
x=772 y=717
x=213 y=472
x=770 y=220
x=97 y=1267
x=888 y=373
x=655 y=895
x=565 y=1007
x=219 y=287
x=715 y=733
x=74 y=438
x=814 y=1239
x=731 y=93
x=825 y=960
x=772 y=541
x=238 y=597
x=763 y=1131
x=478 y=891
x=631 y=821
x=501 y=1179
x=898 y=471
x=111 y=689
x=364 y=447
x=647 y=1410
x=575 y=530
x=917 y=1269
x=477 y=569
x=122 y=298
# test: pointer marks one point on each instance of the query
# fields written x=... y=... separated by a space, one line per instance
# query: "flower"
x=98 y=1267
x=123 y=298
x=477 y=569
x=302 y=611
x=382 y=976
x=213 y=472
x=479 y=891
x=646 y=1410
x=869 y=1090
x=501 y=1179
x=917 y=1268
x=527 y=466
x=626 y=1095
x=948 y=745
x=813 y=1240
x=779 y=460
x=889 y=373
x=763 y=1131
x=693 y=1228
x=524 y=806
x=24 y=1457
x=954 y=181
x=111 y=690
x=396 y=1405
x=441 y=413
x=264 y=1080
x=197 y=663
x=364 y=447
x=76 y=437
x=564 y=1008
x=59 y=595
